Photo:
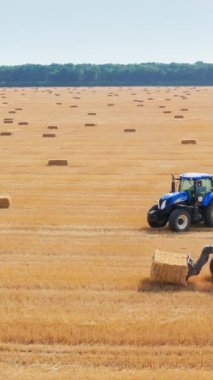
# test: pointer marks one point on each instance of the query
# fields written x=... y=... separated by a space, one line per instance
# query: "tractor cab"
x=190 y=200
x=197 y=186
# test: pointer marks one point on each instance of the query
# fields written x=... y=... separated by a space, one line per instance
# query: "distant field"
x=75 y=248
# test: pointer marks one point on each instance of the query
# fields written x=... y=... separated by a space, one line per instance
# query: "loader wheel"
x=160 y=222
x=208 y=215
x=179 y=220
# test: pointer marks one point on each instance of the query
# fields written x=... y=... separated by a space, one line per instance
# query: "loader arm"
x=194 y=268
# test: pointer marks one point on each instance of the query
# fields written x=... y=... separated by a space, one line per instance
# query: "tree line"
x=144 y=74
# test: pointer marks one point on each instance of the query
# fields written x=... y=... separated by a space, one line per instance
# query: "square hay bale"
x=4 y=202
x=6 y=133
x=91 y=113
x=169 y=268
x=162 y=107
x=184 y=109
x=23 y=123
x=57 y=163
x=129 y=130
x=178 y=116
x=52 y=127
x=90 y=125
x=74 y=106
x=110 y=104
x=185 y=142
x=8 y=121
x=48 y=135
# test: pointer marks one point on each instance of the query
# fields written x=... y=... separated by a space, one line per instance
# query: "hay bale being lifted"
x=169 y=268
x=57 y=163
x=4 y=202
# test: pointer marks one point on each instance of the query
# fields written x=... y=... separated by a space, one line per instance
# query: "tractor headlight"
x=163 y=205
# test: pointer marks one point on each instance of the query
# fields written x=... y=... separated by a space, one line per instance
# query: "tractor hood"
x=172 y=198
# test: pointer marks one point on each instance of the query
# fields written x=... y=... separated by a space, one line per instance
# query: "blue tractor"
x=190 y=200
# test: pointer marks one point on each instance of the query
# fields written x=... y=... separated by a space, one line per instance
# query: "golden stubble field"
x=75 y=249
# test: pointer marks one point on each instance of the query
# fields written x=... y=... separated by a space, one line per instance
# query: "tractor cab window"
x=203 y=186
x=186 y=185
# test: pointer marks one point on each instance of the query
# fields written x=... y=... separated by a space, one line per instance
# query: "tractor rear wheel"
x=159 y=222
x=208 y=215
x=179 y=220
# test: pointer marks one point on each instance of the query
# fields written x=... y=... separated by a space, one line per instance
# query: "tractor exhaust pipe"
x=173 y=184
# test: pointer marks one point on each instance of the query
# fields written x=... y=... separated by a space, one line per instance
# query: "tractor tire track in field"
x=121 y=357
x=83 y=231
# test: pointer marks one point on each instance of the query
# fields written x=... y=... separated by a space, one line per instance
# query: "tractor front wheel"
x=154 y=220
x=179 y=220
x=208 y=215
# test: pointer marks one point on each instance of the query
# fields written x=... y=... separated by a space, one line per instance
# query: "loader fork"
x=194 y=268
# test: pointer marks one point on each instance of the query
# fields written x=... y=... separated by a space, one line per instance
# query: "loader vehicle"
x=194 y=268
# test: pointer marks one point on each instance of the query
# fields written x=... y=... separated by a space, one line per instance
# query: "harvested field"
x=77 y=301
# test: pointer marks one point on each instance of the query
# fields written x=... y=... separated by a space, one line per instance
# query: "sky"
x=105 y=31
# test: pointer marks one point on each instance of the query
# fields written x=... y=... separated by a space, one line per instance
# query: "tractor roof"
x=195 y=176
